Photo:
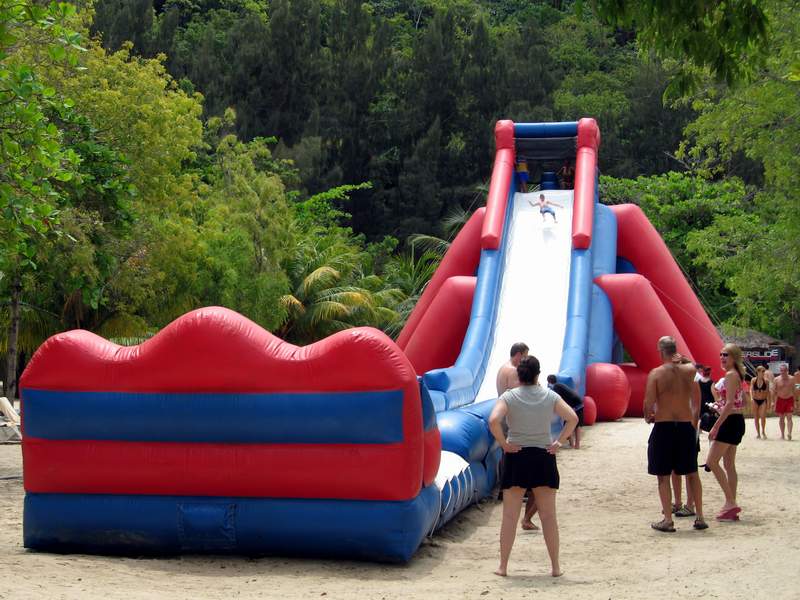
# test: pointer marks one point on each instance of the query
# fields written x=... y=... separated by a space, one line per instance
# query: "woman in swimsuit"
x=727 y=432
x=759 y=390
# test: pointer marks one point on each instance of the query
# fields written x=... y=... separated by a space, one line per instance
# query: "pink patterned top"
x=738 y=400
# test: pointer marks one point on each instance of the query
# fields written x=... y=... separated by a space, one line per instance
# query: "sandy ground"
x=608 y=550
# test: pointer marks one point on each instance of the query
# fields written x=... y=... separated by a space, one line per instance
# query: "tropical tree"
x=32 y=155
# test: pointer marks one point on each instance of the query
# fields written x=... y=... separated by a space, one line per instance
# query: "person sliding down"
x=545 y=207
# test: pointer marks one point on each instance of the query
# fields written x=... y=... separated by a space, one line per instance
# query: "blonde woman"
x=727 y=432
x=759 y=391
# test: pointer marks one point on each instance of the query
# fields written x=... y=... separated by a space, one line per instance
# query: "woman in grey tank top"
x=530 y=460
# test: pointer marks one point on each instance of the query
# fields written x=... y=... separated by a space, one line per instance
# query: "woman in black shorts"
x=727 y=432
x=529 y=460
x=759 y=390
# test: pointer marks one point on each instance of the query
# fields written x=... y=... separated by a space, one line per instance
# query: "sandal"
x=684 y=511
x=700 y=524
x=664 y=525
x=732 y=514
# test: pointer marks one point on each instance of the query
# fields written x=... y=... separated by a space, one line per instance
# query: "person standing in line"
x=507 y=374
x=784 y=401
x=672 y=404
x=727 y=432
x=523 y=176
x=567 y=175
x=759 y=392
x=530 y=457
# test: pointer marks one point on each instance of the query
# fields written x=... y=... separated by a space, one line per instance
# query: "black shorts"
x=579 y=412
x=530 y=468
x=732 y=430
x=672 y=447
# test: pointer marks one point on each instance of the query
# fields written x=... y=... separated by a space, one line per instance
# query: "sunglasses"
x=723 y=355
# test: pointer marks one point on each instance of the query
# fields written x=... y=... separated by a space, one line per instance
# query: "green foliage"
x=727 y=37
x=33 y=156
x=685 y=210
x=757 y=121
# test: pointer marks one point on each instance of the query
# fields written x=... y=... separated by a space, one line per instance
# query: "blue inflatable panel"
x=446 y=379
x=546 y=130
x=604 y=260
x=135 y=525
x=464 y=434
x=604 y=241
x=428 y=409
x=482 y=410
x=438 y=399
x=480 y=481
x=549 y=181
x=372 y=417
x=576 y=336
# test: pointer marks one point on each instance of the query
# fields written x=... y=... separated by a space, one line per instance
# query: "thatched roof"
x=749 y=338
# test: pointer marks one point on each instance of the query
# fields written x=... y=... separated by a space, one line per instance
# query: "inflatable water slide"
x=216 y=436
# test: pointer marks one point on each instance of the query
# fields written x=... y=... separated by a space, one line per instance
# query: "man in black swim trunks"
x=672 y=403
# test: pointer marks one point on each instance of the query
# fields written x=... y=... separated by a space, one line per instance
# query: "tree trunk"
x=10 y=381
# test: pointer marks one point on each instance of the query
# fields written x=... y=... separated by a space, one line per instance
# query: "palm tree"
x=328 y=291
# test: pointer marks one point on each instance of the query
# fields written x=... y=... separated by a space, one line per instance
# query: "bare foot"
x=558 y=573
x=501 y=572
x=530 y=526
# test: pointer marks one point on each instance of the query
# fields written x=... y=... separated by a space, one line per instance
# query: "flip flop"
x=700 y=524
x=664 y=526
x=732 y=514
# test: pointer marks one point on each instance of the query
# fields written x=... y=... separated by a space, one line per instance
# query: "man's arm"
x=499 y=413
x=650 y=396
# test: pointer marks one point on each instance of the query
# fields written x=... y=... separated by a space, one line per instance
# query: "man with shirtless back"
x=672 y=404
x=507 y=375
x=784 y=401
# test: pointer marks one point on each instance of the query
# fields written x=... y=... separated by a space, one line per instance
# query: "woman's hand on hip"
x=510 y=448
x=554 y=447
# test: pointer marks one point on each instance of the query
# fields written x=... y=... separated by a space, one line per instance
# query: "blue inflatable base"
x=158 y=525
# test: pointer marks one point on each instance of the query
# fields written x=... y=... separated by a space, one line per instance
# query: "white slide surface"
x=532 y=304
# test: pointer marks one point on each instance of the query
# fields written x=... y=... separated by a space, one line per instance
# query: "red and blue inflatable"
x=216 y=436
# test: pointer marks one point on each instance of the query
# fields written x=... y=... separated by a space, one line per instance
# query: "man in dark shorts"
x=672 y=404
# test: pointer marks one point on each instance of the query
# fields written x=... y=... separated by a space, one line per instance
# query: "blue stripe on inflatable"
x=134 y=525
x=546 y=130
x=428 y=411
x=308 y=418
x=604 y=259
